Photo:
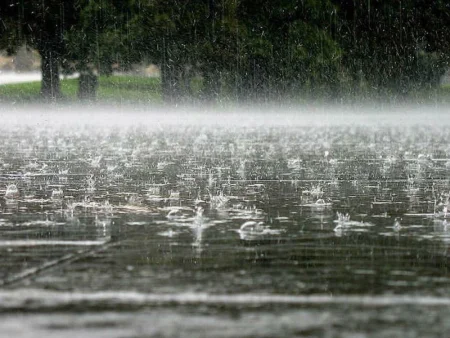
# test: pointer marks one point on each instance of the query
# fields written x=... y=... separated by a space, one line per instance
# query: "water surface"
x=317 y=223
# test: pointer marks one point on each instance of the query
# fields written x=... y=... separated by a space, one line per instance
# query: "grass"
x=141 y=90
x=445 y=91
x=111 y=89
x=20 y=92
x=129 y=89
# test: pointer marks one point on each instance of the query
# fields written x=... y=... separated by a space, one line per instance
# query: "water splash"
x=12 y=192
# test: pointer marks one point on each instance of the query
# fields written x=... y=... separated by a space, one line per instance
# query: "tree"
x=245 y=49
x=40 y=25
x=287 y=47
x=97 y=43
x=395 y=46
x=171 y=34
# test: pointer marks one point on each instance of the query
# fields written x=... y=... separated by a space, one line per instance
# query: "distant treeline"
x=238 y=49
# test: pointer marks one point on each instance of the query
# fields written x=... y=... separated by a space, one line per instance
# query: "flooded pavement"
x=174 y=226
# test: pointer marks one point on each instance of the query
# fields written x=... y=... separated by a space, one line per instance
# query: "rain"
x=224 y=169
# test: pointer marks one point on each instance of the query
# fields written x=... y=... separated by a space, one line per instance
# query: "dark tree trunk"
x=50 y=88
x=211 y=75
x=170 y=85
x=211 y=85
x=87 y=86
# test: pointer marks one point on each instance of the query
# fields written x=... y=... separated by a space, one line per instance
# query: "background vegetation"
x=238 y=50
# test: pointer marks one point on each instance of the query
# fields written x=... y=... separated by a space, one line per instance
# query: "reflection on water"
x=252 y=210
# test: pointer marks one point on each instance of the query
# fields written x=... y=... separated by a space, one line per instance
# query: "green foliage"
x=244 y=49
x=97 y=43
x=286 y=47
x=41 y=25
x=395 y=46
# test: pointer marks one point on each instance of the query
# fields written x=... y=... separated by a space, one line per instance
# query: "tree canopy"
x=239 y=49
x=41 y=25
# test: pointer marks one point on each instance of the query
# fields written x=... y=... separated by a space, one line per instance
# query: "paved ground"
x=12 y=77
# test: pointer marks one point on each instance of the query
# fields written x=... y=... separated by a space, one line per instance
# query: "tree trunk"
x=211 y=75
x=211 y=85
x=87 y=86
x=50 y=88
x=169 y=84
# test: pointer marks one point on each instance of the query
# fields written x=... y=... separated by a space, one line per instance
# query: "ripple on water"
x=143 y=186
